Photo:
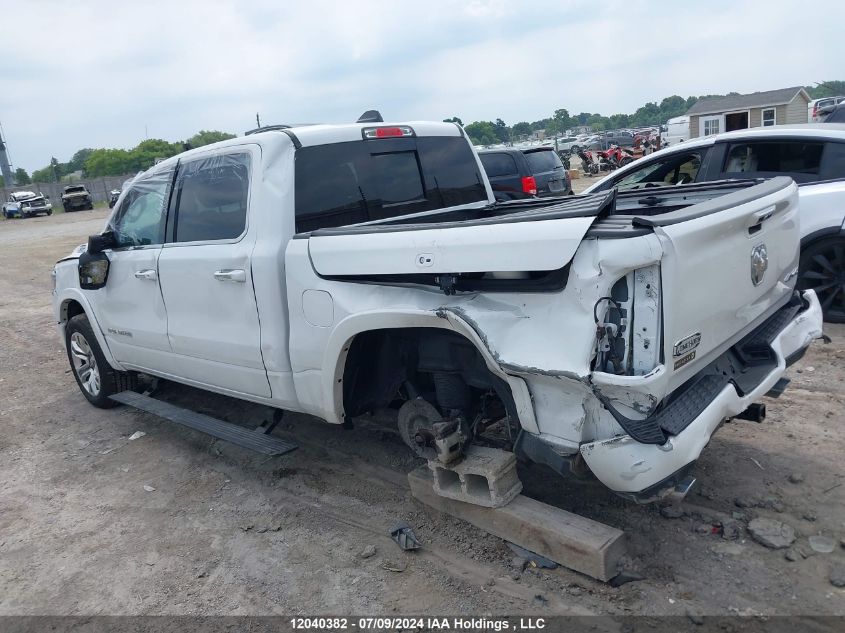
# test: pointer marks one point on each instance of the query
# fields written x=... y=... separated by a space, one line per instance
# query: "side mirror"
x=93 y=270
x=99 y=243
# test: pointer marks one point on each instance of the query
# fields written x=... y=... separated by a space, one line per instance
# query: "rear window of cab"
x=360 y=181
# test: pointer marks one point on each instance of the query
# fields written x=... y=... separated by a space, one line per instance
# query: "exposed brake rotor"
x=423 y=429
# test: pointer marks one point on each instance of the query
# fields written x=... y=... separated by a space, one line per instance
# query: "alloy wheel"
x=824 y=271
x=85 y=364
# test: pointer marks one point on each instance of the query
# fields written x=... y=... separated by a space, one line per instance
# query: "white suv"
x=812 y=154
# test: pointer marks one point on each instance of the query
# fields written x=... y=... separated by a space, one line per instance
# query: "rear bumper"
x=627 y=466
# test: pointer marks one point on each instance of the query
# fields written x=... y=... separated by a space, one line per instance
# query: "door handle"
x=756 y=219
x=238 y=276
x=149 y=274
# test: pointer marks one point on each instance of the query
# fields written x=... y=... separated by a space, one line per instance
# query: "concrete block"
x=485 y=477
x=568 y=539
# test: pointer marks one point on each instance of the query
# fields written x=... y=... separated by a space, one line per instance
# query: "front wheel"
x=95 y=377
x=822 y=268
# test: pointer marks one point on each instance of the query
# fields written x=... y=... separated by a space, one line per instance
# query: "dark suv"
x=515 y=173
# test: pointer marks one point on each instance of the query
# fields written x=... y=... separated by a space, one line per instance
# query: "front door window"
x=140 y=219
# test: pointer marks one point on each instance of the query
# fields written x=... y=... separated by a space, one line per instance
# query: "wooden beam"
x=570 y=540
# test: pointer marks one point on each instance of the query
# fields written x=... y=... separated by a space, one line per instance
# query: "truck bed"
x=631 y=207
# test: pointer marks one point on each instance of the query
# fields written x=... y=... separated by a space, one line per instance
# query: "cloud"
x=98 y=73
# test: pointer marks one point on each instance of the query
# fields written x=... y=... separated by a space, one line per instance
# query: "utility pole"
x=5 y=167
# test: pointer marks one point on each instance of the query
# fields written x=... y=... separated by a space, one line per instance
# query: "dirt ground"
x=227 y=531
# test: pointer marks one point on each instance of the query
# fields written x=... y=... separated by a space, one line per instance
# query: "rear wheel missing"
x=822 y=269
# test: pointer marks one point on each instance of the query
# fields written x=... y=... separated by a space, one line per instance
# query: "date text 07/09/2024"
x=424 y=623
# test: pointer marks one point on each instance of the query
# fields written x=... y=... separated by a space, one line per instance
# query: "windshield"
x=542 y=161
x=74 y=189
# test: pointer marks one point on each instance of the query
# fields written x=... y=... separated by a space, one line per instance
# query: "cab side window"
x=140 y=220
x=678 y=169
x=799 y=159
x=211 y=198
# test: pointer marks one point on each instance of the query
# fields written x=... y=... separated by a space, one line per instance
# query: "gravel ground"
x=226 y=531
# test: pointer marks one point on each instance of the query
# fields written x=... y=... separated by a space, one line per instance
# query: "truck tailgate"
x=728 y=263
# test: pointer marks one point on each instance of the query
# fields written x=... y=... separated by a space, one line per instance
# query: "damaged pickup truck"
x=335 y=270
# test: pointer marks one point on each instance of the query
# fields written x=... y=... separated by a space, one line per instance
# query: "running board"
x=256 y=440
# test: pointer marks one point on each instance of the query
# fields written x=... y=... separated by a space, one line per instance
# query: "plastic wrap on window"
x=140 y=218
x=212 y=196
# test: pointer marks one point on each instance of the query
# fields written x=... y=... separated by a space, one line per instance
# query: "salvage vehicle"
x=339 y=269
x=12 y=210
x=811 y=154
x=522 y=173
x=26 y=204
x=833 y=114
x=816 y=107
x=114 y=194
x=76 y=197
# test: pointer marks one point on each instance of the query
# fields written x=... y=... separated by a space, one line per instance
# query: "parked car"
x=76 y=197
x=334 y=270
x=114 y=194
x=522 y=173
x=811 y=154
x=833 y=114
x=620 y=138
x=566 y=143
x=816 y=105
x=677 y=131
x=588 y=142
x=26 y=204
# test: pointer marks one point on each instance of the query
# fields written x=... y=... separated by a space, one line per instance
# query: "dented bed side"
x=547 y=346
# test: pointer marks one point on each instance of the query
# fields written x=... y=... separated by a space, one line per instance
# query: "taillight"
x=529 y=185
x=387 y=132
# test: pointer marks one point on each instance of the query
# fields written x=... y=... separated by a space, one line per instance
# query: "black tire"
x=105 y=381
x=822 y=268
x=50 y=212
x=90 y=206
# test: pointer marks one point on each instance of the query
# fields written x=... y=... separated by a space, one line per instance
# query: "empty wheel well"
x=70 y=309
x=385 y=367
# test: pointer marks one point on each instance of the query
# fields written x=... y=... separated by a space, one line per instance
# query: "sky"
x=93 y=73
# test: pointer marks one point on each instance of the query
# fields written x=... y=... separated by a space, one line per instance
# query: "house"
x=713 y=115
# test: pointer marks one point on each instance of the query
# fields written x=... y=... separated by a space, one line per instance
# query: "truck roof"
x=308 y=135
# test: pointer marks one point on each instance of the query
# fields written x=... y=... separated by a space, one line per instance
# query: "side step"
x=256 y=440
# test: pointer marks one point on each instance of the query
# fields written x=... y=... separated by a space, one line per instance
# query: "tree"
x=21 y=177
x=207 y=137
x=77 y=163
x=454 y=119
x=482 y=132
x=145 y=154
x=503 y=132
x=561 y=117
x=108 y=162
x=826 y=89
x=523 y=128
x=42 y=175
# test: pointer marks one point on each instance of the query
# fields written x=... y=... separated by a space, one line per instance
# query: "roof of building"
x=743 y=102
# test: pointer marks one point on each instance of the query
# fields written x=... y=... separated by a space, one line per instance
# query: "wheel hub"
x=84 y=364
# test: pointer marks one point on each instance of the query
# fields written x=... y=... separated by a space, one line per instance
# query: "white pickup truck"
x=334 y=270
